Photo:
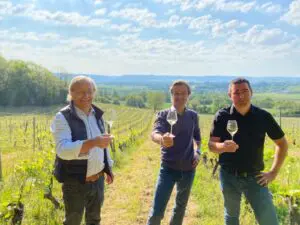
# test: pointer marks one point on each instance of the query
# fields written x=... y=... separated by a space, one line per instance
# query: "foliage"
x=25 y=83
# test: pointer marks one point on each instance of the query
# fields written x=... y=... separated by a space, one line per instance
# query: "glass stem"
x=171 y=128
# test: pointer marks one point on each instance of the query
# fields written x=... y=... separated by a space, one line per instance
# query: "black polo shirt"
x=252 y=129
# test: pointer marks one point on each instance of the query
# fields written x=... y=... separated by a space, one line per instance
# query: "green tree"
x=156 y=100
x=135 y=101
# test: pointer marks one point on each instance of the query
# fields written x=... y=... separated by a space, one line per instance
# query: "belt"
x=239 y=173
x=94 y=177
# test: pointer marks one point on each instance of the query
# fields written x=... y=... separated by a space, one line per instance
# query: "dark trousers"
x=78 y=197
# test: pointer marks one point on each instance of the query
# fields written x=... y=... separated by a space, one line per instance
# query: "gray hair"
x=78 y=80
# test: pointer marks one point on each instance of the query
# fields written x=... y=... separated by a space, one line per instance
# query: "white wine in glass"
x=111 y=117
x=232 y=127
x=172 y=118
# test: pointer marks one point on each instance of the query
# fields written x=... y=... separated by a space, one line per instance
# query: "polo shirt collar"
x=234 y=111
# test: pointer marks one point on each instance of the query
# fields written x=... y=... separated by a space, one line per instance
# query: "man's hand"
x=103 y=141
x=167 y=140
x=266 y=177
x=229 y=146
x=196 y=160
x=110 y=179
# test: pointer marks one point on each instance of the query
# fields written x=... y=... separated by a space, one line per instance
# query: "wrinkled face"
x=240 y=94
x=180 y=96
x=83 y=94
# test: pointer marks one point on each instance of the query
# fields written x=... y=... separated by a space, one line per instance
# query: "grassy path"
x=129 y=199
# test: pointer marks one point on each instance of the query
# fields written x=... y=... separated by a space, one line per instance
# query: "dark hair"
x=239 y=80
x=180 y=82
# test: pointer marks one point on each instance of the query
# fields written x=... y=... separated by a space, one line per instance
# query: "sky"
x=160 y=37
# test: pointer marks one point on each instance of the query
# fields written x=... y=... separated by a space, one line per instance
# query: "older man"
x=81 y=153
x=241 y=157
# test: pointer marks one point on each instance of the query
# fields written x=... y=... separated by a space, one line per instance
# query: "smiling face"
x=240 y=95
x=83 y=93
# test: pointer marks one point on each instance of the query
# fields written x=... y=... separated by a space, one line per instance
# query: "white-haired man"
x=82 y=157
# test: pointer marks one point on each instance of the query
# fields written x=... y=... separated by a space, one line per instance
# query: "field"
x=27 y=152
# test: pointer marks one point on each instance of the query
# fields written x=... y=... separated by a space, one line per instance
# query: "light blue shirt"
x=68 y=150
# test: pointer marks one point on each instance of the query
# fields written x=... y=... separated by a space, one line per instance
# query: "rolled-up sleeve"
x=65 y=148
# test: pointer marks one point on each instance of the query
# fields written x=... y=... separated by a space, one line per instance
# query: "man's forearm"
x=156 y=137
x=280 y=155
x=87 y=145
x=215 y=147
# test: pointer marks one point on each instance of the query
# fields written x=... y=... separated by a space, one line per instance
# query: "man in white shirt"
x=82 y=157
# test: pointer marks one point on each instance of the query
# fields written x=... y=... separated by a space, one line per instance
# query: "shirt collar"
x=174 y=109
x=80 y=112
x=234 y=111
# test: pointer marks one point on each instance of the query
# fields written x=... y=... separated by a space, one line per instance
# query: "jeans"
x=166 y=180
x=258 y=196
x=78 y=196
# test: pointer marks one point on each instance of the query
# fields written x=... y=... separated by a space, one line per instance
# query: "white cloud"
x=98 y=2
x=7 y=8
x=156 y=56
x=269 y=7
x=214 y=27
x=293 y=15
x=258 y=35
x=101 y=12
x=66 y=18
x=184 y=4
x=218 y=5
x=72 y=18
x=233 y=6
x=125 y=28
x=81 y=44
x=58 y=17
x=142 y=16
x=28 y=36
x=200 y=5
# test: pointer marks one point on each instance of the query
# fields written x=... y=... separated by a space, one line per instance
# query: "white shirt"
x=68 y=150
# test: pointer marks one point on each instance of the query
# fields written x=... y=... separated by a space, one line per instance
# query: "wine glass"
x=232 y=127
x=172 y=118
x=110 y=118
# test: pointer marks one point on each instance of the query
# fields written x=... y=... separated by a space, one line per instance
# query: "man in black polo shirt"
x=241 y=159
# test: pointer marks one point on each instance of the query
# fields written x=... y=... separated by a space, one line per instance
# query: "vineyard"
x=28 y=193
x=28 y=152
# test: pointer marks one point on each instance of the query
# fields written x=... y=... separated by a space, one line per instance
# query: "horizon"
x=162 y=37
x=177 y=75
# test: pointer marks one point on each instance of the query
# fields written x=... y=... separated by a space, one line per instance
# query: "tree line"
x=28 y=84
x=25 y=83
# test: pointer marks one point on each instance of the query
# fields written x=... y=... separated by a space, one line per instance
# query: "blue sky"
x=163 y=37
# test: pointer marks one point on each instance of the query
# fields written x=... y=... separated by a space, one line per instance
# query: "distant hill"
x=199 y=83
